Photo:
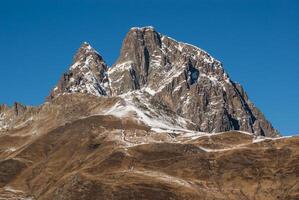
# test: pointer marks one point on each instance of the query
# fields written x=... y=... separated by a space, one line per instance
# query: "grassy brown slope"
x=104 y=157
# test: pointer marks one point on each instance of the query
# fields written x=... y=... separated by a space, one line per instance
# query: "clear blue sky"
x=257 y=40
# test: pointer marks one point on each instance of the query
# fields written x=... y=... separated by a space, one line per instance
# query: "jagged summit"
x=149 y=54
x=86 y=44
x=85 y=50
x=144 y=28
x=179 y=77
x=87 y=74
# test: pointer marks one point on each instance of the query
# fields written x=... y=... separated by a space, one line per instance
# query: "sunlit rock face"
x=186 y=80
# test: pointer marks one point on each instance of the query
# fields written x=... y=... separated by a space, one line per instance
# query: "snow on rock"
x=121 y=67
x=198 y=53
x=7 y=188
x=87 y=74
x=10 y=193
x=143 y=28
x=262 y=138
x=149 y=90
x=162 y=176
x=135 y=105
x=131 y=110
x=10 y=149
x=3 y=124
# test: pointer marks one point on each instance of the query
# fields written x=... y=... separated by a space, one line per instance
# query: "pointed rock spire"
x=87 y=74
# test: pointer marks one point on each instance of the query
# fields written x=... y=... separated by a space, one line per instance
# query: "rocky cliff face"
x=187 y=80
x=178 y=76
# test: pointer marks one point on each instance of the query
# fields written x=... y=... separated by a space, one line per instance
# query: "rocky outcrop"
x=14 y=116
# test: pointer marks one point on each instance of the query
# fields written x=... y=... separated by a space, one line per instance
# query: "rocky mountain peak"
x=147 y=56
x=86 y=50
x=87 y=74
x=140 y=42
x=180 y=77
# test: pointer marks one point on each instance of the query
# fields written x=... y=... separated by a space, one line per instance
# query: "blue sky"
x=257 y=41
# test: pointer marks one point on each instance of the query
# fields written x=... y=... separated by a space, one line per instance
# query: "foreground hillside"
x=108 y=157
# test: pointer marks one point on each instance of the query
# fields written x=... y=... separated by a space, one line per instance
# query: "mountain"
x=165 y=122
x=86 y=75
x=179 y=77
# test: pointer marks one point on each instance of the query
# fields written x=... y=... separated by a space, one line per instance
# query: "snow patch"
x=10 y=149
x=121 y=67
x=163 y=177
x=120 y=110
x=10 y=189
x=143 y=28
x=261 y=138
x=220 y=150
x=149 y=90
